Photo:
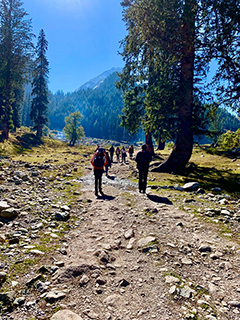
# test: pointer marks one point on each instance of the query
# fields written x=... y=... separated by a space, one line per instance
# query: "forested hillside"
x=100 y=108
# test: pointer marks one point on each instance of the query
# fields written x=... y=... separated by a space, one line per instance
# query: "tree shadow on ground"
x=231 y=153
x=158 y=199
x=209 y=178
x=29 y=140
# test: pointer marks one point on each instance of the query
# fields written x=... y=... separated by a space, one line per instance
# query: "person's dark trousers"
x=143 y=180
x=98 y=180
x=111 y=157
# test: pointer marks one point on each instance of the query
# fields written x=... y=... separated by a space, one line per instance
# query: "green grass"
x=212 y=170
x=22 y=267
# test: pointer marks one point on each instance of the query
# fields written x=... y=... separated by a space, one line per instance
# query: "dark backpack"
x=98 y=160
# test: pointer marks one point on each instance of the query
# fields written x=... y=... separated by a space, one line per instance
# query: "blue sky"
x=83 y=38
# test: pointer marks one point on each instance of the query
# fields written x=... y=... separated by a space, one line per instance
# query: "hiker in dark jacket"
x=143 y=159
x=111 y=150
x=131 y=151
x=124 y=154
x=109 y=162
x=118 y=153
x=99 y=160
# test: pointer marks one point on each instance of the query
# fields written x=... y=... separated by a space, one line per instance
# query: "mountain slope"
x=95 y=82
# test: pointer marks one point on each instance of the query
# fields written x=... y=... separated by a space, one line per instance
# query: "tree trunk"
x=149 y=143
x=39 y=131
x=161 y=144
x=182 y=150
x=5 y=131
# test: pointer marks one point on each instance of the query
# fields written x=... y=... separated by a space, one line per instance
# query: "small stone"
x=110 y=300
x=33 y=280
x=84 y=280
x=53 y=296
x=2 y=238
x=216 y=255
x=171 y=279
x=91 y=314
x=173 y=290
x=129 y=234
x=187 y=261
x=62 y=216
x=186 y=292
x=4 y=205
x=37 y=252
x=145 y=241
x=101 y=281
x=19 y=301
x=14 y=283
x=124 y=283
x=130 y=244
x=205 y=248
x=201 y=302
x=223 y=201
x=60 y=264
x=65 y=208
x=234 y=303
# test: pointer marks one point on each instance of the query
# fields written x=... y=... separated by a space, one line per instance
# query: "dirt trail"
x=184 y=270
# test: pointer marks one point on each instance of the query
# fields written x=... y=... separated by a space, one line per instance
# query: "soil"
x=186 y=269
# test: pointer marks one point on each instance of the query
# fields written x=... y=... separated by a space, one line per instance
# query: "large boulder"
x=191 y=186
x=9 y=213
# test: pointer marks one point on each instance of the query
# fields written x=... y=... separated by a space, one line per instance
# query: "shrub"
x=230 y=140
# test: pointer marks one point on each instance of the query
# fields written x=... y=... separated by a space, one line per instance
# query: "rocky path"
x=131 y=256
x=138 y=257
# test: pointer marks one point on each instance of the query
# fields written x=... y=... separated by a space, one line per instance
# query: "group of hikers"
x=103 y=159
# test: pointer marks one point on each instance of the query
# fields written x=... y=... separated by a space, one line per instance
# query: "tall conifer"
x=167 y=52
x=40 y=93
x=16 y=49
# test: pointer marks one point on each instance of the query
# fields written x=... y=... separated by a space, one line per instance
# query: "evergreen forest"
x=101 y=108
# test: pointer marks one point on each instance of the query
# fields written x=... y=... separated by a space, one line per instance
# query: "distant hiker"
x=109 y=162
x=111 y=150
x=99 y=160
x=124 y=154
x=130 y=151
x=118 y=153
x=143 y=159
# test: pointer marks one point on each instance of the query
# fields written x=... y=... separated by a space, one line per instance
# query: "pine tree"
x=16 y=50
x=40 y=93
x=167 y=52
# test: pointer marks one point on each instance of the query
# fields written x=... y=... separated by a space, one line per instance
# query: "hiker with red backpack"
x=99 y=160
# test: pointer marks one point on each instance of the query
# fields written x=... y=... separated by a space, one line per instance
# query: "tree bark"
x=161 y=144
x=5 y=131
x=149 y=143
x=182 y=150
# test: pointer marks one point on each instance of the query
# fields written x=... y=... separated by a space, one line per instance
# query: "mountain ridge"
x=96 y=81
